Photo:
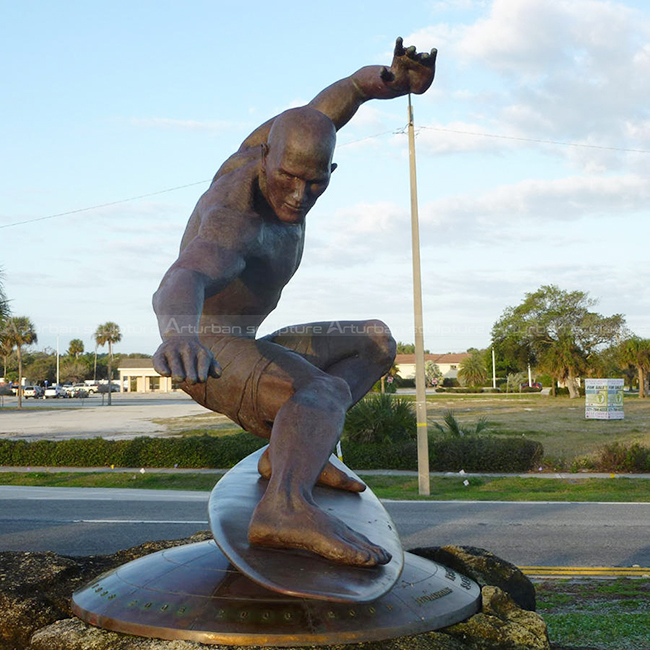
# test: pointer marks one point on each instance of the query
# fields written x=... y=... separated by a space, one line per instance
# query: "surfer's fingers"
x=177 y=367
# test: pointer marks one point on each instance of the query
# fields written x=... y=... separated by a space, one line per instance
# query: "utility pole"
x=420 y=392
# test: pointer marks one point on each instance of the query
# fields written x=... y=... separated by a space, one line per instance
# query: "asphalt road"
x=78 y=521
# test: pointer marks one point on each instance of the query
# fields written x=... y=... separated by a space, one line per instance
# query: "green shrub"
x=452 y=427
x=195 y=451
x=380 y=419
x=472 y=454
x=362 y=456
x=408 y=382
x=484 y=454
x=620 y=457
x=564 y=392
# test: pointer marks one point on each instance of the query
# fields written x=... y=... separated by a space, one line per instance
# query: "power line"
x=370 y=137
x=103 y=205
x=511 y=137
x=401 y=131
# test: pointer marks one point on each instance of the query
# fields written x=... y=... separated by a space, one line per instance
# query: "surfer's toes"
x=330 y=476
x=376 y=555
x=336 y=478
x=264 y=465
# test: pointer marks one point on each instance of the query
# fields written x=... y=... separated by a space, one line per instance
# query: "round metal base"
x=193 y=593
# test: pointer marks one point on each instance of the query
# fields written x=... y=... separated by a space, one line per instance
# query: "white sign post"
x=604 y=399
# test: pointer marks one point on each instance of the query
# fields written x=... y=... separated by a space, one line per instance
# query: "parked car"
x=33 y=391
x=78 y=390
x=103 y=388
x=91 y=388
x=55 y=391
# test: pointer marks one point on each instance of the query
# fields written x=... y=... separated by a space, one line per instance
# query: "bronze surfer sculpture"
x=242 y=244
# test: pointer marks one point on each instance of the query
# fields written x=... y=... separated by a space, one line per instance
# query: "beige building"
x=139 y=376
x=448 y=364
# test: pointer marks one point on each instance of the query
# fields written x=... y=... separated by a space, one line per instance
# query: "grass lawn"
x=599 y=614
x=212 y=424
x=557 y=422
x=151 y=481
x=385 y=487
x=513 y=489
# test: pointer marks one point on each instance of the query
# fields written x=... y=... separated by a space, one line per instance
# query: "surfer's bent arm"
x=410 y=71
x=203 y=269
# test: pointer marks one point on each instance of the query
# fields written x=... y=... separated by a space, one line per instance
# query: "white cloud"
x=555 y=200
x=568 y=70
x=353 y=236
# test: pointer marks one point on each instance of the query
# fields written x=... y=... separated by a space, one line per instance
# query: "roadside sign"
x=604 y=399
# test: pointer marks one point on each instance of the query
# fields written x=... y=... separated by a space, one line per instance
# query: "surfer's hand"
x=184 y=359
x=410 y=71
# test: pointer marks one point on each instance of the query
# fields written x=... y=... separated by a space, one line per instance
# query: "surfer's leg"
x=360 y=352
x=307 y=407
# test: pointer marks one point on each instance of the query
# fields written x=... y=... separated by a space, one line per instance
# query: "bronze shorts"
x=235 y=394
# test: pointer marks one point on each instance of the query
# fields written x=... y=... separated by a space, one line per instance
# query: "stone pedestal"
x=36 y=591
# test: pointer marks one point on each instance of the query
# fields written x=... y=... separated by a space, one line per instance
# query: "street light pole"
x=424 y=482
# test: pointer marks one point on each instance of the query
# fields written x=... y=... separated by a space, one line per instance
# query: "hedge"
x=471 y=453
x=564 y=392
x=485 y=454
x=190 y=451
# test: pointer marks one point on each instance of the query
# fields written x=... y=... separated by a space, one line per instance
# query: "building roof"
x=142 y=362
x=447 y=358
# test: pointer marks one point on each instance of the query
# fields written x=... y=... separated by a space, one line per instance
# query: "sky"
x=533 y=156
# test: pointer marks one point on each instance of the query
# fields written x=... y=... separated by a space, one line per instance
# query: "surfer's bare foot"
x=330 y=476
x=305 y=526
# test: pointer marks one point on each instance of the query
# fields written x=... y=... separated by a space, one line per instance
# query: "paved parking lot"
x=130 y=414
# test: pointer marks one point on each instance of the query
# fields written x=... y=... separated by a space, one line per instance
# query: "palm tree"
x=635 y=351
x=20 y=331
x=108 y=333
x=432 y=373
x=473 y=371
x=76 y=348
x=5 y=348
x=4 y=303
x=452 y=427
x=514 y=380
x=564 y=361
